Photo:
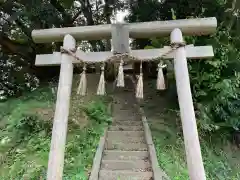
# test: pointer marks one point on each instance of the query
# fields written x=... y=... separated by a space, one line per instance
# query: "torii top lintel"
x=199 y=26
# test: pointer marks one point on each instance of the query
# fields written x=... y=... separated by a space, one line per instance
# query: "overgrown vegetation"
x=215 y=82
x=17 y=48
x=221 y=157
x=25 y=135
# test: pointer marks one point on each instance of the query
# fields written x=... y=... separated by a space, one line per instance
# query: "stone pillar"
x=191 y=140
x=60 y=123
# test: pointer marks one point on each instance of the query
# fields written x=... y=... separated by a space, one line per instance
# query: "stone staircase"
x=125 y=155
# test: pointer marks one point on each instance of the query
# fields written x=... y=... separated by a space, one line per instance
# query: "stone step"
x=126 y=128
x=123 y=107
x=126 y=118
x=127 y=123
x=122 y=102
x=125 y=155
x=116 y=134
x=126 y=139
x=125 y=110
x=111 y=145
x=136 y=166
x=124 y=175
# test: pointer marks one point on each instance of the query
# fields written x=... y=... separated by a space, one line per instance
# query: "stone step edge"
x=124 y=171
x=125 y=155
x=157 y=171
x=116 y=165
x=109 y=131
x=118 y=173
x=119 y=151
x=126 y=121
x=96 y=165
x=126 y=146
x=125 y=128
x=125 y=138
x=116 y=125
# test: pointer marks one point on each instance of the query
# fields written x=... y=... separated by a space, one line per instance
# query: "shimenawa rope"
x=120 y=78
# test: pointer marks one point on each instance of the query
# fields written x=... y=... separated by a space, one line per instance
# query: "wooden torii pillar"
x=202 y=26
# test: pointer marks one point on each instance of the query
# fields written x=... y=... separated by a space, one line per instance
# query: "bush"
x=98 y=112
x=15 y=76
x=29 y=124
x=215 y=84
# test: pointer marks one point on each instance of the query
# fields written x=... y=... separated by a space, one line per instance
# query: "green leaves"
x=148 y=47
x=97 y=111
x=215 y=82
x=25 y=136
x=67 y=3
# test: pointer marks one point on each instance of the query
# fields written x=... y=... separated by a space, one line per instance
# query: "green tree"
x=18 y=50
x=215 y=82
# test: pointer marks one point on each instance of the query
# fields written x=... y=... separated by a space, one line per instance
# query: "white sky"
x=121 y=15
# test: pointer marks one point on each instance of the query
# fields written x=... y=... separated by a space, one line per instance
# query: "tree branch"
x=24 y=29
x=59 y=7
x=107 y=11
x=76 y=15
x=14 y=47
x=87 y=12
x=67 y=19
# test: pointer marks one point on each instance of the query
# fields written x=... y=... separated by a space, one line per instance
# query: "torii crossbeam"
x=202 y=26
x=198 y=52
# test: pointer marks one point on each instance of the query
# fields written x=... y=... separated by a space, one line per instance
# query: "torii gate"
x=120 y=35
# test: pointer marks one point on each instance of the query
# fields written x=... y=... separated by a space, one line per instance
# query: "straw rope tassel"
x=120 y=78
x=101 y=85
x=82 y=87
x=139 y=89
x=160 y=77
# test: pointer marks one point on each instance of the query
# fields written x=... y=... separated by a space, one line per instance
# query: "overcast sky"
x=120 y=15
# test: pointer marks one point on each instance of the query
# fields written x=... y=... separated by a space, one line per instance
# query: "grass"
x=221 y=158
x=25 y=135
